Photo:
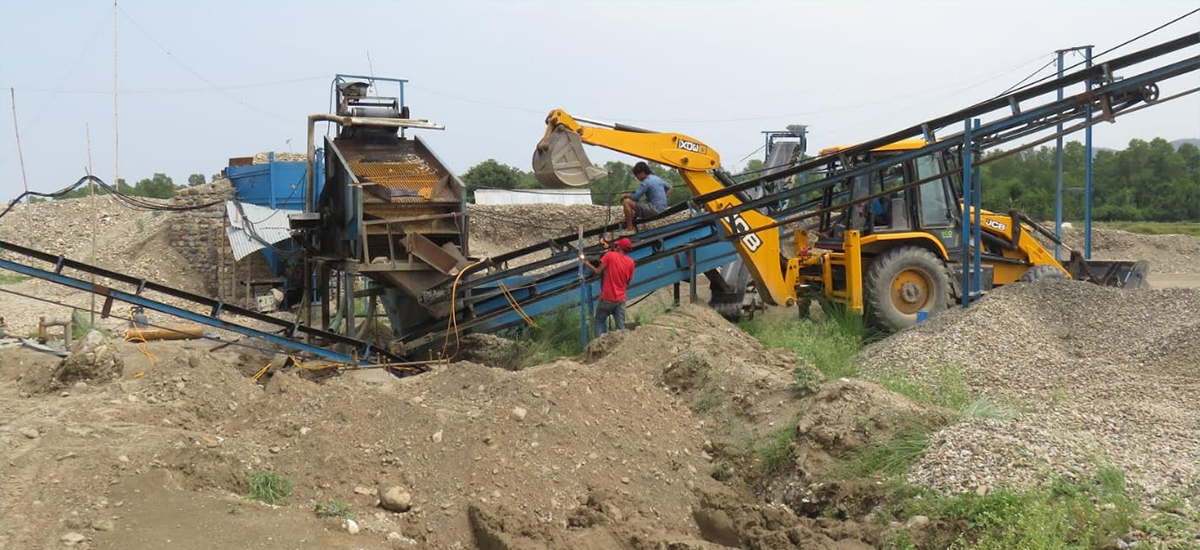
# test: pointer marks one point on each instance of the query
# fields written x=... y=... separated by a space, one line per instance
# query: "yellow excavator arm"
x=560 y=161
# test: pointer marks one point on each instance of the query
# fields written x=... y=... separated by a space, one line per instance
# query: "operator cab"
x=929 y=207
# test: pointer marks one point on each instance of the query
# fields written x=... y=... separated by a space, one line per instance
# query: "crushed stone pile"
x=1094 y=374
x=128 y=241
x=500 y=228
x=264 y=158
x=1172 y=254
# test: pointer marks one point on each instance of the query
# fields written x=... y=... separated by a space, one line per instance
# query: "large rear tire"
x=1042 y=273
x=902 y=281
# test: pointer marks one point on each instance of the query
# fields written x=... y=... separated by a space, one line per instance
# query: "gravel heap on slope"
x=1097 y=374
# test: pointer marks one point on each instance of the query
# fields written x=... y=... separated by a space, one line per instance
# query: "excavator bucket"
x=560 y=162
x=1116 y=273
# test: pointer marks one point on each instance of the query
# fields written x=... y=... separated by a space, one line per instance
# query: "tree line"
x=1147 y=181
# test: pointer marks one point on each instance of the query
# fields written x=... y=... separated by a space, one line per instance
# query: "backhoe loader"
x=888 y=242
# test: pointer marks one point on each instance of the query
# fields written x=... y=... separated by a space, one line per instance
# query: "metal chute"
x=560 y=162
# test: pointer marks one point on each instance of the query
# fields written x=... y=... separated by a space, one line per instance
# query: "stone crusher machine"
x=389 y=210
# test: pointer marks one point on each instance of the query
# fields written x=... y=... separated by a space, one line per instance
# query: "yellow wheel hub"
x=911 y=290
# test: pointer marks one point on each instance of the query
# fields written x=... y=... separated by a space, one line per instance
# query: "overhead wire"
x=195 y=73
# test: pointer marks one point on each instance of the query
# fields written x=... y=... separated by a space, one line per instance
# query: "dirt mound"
x=847 y=415
x=1166 y=253
x=92 y=359
x=1082 y=362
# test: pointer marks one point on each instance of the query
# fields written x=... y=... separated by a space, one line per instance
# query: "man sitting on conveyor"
x=655 y=190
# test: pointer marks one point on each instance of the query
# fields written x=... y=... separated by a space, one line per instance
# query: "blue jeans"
x=605 y=308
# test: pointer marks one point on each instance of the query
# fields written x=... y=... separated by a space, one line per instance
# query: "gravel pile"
x=1166 y=253
x=263 y=158
x=1096 y=374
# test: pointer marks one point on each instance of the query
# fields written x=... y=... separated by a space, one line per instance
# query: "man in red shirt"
x=616 y=268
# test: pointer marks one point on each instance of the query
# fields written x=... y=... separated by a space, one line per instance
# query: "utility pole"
x=95 y=214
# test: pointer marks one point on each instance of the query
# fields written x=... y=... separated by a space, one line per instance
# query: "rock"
x=92 y=358
x=917 y=522
x=304 y=430
x=395 y=499
x=275 y=449
x=981 y=490
x=72 y=538
x=122 y=458
x=436 y=437
x=625 y=480
x=102 y=525
x=518 y=414
x=31 y=433
x=394 y=536
x=352 y=526
x=364 y=491
x=80 y=385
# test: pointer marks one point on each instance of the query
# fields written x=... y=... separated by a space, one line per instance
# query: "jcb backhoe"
x=889 y=256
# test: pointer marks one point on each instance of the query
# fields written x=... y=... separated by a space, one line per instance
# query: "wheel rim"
x=911 y=290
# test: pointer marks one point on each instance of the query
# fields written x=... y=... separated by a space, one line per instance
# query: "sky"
x=200 y=82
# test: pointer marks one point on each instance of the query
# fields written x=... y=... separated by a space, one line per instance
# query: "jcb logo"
x=998 y=226
x=692 y=146
x=749 y=240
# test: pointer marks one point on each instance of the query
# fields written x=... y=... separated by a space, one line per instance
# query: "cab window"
x=935 y=206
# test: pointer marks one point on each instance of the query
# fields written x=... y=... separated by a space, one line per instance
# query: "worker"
x=616 y=268
x=655 y=190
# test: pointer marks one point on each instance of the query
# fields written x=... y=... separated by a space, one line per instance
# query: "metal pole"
x=95 y=214
x=116 y=119
x=966 y=214
x=1087 y=185
x=977 y=224
x=1058 y=172
x=583 y=302
x=24 y=181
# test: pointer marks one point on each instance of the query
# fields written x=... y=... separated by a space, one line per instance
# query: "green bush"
x=331 y=509
x=268 y=487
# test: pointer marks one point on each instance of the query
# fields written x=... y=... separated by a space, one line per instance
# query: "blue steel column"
x=1058 y=173
x=583 y=301
x=966 y=214
x=977 y=225
x=1087 y=185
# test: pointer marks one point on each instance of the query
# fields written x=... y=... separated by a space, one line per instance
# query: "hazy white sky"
x=204 y=81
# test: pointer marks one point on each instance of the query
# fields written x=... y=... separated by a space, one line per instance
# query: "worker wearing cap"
x=654 y=188
x=616 y=269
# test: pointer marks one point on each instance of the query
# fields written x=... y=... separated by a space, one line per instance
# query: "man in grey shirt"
x=655 y=190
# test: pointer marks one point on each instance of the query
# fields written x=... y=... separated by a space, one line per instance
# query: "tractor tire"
x=1042 y=273
x=902 y=281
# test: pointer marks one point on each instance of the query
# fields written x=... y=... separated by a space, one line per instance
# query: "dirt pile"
x=1166 y=253
x=1087 y=368
x=615 y=449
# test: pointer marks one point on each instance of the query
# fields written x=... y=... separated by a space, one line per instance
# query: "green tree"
x=195 y=179
x=159 y=186
x=492 y=175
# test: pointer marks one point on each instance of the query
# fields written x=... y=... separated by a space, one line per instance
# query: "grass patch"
x=1155 y=228
x=12 y=278
x=888 y=458
x=708 y=400
x=555 y=335
x=829 y=345
x=1063 y=515
x=331 y=509
x=268 y=487
x=773 y=450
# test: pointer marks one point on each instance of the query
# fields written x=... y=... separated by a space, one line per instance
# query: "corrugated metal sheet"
x=533 y=196
x=251 y=227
